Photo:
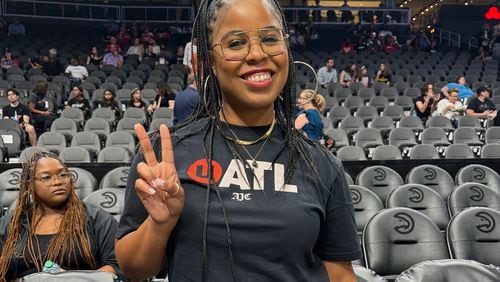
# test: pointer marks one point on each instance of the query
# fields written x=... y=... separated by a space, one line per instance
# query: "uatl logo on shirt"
x=237 y=175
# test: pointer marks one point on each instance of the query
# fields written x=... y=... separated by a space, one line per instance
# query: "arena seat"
x=75 y=155
x=84 y=182
x=472 y=195
x=110 y=200
x=366 y=204
x=478 y=174
x=474 y=234
x=398 y=238
x=381 y=180
x=351 y=153
x=116 y=178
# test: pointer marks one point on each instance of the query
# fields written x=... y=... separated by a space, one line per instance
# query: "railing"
x=95 y=12
x=452 y=38
x=333 y=15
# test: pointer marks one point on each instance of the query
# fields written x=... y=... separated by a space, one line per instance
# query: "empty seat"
x=397 y=238
x=110 y=200
x=121 y=139
x=98 y=126
x=366 y=204
x=441 y=122
x=75 y=155
x=83 y=181
x=475 y=234
x=27 y=152
x=341 y=94
x=89 y=141
x=52 y=141
x=135 y=113
x=366 y=94
x=351 y=153
x=424 y=151
x=65 y=126
x=412 y=122
x=115 y=178
x=403 y=138
x=383 y=124
x=472 y=195
x=493 y=135
x=468 y=121
x=155 y=123
x=114 y=155
x=104 y=113
x=386 y=152
x=432 y=176
x=9 y=186
x=423 y=199
x=127 y=125
x=395 y=112
x=163 y=113
x=351 y=125
x=12 y=136
x=380 y=179
x=450 y=270
x=379 y=102
x=337 y=114
x=406 y=103
x=478 y=174
x=368 y=138
x=466 y=135
x=490 y=151
x=458 y=151
x=74 y=114
x=353 y=103
x=435 y=136
x=367 y=113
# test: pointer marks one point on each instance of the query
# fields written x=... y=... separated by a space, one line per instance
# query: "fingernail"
x=151 y=191
x=158 y=183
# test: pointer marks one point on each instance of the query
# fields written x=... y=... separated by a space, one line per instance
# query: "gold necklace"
x=247 y=143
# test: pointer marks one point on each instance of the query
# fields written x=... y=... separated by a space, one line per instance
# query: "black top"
x=164 y=100
x=141 y=104
x=279 y=232
x=427 y=113
x=113 y=105
x=82 y=104
x=96 y=62
x=52 y=67
x=19 y=111
x=100 y=226
x=41 y=103
x=480 y=107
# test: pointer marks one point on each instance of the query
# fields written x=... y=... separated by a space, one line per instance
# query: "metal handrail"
x=449 y=36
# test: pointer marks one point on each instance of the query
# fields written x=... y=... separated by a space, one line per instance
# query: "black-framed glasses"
x=235 y=46
x=63 y=176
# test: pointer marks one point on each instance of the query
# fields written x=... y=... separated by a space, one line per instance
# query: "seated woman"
x=309 y=118
x=165 y=97
x=108 y=101
x=49 y=222
x=136 y=101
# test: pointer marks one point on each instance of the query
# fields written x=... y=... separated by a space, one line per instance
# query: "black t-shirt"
x=279 y=232
x=113 y=105
x=18 y=111
x=427 y=113
x=480 y=107
x=52 y=67
x=82 y=104
x=164 y=100
x=41 y=104
x=140 y=104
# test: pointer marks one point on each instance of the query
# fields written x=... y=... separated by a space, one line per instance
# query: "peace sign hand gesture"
x=158 y=185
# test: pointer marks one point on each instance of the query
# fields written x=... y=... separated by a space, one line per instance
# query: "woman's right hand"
x=158 y=185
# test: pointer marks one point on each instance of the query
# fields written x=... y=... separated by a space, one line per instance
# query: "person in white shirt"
x=76 y=72
x=188 y=53
x=327 y=73
x=136 y=49
x=450 y=107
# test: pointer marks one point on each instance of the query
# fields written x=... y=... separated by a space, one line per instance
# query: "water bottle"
x=51 y=267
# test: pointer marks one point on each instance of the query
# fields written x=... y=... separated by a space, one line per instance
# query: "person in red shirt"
x=347 y=47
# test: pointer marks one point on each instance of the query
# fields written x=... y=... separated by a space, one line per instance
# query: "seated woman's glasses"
x=47 y=178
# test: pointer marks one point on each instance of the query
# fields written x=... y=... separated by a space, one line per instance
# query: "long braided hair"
x=71 y=238
x=210 y=105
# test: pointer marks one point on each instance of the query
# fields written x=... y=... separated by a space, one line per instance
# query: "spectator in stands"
x=155 y=48
x=49 y=222
x=425 y=104
x=347 y=15
x=112 y=26
x=450 y=107
x=150 y=54
x=186 y=101
x=136 y=49
x=8 y=61
x=76 y=72
x=109 y=101
x=95 y=57
x=113 y=58
x=51 y=65
x=36 y=61
x=308 y=119
x=165 y=97
x=373 y=44
x=347 y=47
x=327 y=73
x=123 y=36
x=113 y=45
x=464 y=92
x=162 y=36
x=391 y=44
x=147 y=36
x=20 y=113
x=180 y=54
x=41 y=107
x=164 y=58
x=348 y=75
x=79 y=101
x=136 y=101
x=190 y=52
x=16 y=28
x=384 y=74
x=165 y=214
x=483 y=107
x=363 y=77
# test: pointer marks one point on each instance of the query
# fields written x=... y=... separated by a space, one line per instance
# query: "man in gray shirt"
x=327 y=74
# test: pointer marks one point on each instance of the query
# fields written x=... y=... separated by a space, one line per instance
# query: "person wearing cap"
x=51 y=65
x=483 y=107
x=20 y=113
x=8 y=60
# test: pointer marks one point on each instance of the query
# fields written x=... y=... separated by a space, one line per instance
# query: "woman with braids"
x=236 y=193
x=50 y=223
x=309 y=118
